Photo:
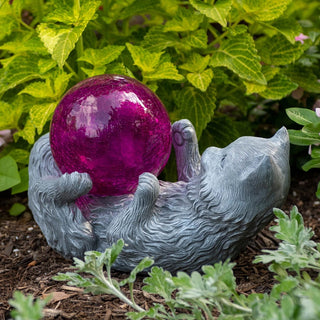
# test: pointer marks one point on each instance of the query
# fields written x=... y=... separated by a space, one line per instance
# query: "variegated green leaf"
x=9 y=115
x=201 y=80
x=20 y=69
x=279 y=51
x=278 y=87
x=197 y=39
x=60 y=39
x=40 y=114
x=288 y=27
x=39 y=89
x=264 y=10
x=101 y=57
x=304 y=77
x=165 y=70
x=218 y=11
x=147 y=61
x=184 y=20
x=196 y=106
x=269 y=73
x=195 y=63
x=156 y=40
x=27 y=133
x=240 y=55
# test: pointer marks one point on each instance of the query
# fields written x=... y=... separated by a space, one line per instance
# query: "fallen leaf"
x=32 y=263
x=57 y=296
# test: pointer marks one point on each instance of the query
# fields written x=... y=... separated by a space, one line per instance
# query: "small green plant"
x=295 y=296
x=200 y=57
x=308 y=135
x=25 y=308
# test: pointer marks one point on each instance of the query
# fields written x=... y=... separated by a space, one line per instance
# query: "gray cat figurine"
x=222 y=199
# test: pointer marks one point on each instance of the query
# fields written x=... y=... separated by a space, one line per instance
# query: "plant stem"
x=40 y=9
x=116 y=292
x=236 y=306
x=79 y=44
x=67 y=65
x=26 y=25
x=206 y=310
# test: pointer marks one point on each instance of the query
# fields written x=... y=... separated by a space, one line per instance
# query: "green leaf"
x=20 y=155
x=9 y=115
x=170 y=6
x=184 y=20
x=286 y=286
x=147 y=61
x=301 y=139
x=16 y=209
x=157 y=283
x=220 y=132
x=195 y=63
x=218 y=12
x=311 y=164
x=288 y=27
x=318 y=191
x=40 y=114
x=45 y=65
x=28 y=43
x=63 y=12
x=143 y=264
x=304 y=77
x=39 y=89
x=163 y=39
x=152 y=313
x=279 y=51
x=119 y=68
x=269 y=73
x=25 y=308
x=196 y=106
x=60 y=39
x=278 y=87
x=27 y=133
x=8 y=23
x=165 y=70
x=239 y=55
x=196 y=39
x=19 y=70
x=201 y=80
x=101 y=57
x=9 y=175
x=264 y=10
x=315 y=152
x=302 y=116
x=60 y=82
x=24 y=184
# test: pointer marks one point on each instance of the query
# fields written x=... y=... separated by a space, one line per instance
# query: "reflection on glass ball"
x=114 y=128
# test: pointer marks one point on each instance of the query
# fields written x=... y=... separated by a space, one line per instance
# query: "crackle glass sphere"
x=114 y=128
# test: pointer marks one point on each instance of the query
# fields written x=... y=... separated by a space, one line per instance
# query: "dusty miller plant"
x=294 y=296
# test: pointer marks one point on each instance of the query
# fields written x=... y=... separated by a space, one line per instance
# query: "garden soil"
x=28 y=264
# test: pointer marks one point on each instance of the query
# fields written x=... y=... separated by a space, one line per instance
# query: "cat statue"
x=222 y=199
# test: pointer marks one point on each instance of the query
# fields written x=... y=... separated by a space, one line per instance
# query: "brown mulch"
x=28 y=264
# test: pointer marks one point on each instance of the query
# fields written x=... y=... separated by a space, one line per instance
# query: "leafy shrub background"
x=212 y=62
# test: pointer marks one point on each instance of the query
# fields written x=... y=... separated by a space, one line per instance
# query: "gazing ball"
x=114 y=128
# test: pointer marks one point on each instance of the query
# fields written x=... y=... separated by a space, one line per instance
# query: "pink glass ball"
x=114 y=128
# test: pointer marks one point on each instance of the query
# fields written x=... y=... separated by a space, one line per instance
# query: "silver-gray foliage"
x=222 y=199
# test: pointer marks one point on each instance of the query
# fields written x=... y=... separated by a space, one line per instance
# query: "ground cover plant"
x=213 y=62
x=295 y=295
